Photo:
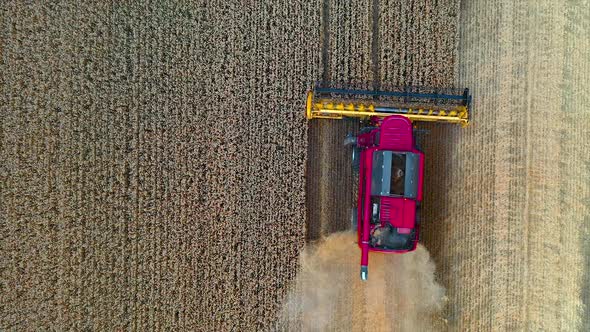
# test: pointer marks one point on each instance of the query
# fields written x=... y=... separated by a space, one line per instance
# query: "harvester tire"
x=353 y=219
x=350 y=140
x=356 y=159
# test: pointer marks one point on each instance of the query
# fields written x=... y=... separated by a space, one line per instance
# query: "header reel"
x=415 y=103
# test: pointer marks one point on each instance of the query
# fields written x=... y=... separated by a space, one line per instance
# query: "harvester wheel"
x=418 y=215
x=350 y=140
x=353 y=219
x=356 y=159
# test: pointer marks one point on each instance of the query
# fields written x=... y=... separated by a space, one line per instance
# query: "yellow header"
x=330 y=109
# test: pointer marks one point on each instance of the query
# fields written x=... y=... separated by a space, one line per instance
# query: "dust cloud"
x=400 y=295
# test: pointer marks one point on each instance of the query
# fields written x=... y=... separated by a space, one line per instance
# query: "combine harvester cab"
x=391 y=167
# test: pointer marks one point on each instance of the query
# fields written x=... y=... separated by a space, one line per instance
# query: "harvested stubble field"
x=153 y=160
x=510 y=208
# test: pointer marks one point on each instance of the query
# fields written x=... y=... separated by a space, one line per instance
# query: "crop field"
x=510 y=205
x=153 y=163
x=157 y=171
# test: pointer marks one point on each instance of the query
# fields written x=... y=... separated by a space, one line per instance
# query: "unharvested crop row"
x=417 y=42
x=153 y=163
x=346 y=55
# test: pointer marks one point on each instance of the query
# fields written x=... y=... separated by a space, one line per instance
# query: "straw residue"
x=400 y=295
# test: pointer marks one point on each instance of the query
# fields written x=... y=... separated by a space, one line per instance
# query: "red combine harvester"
x=390 y=165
